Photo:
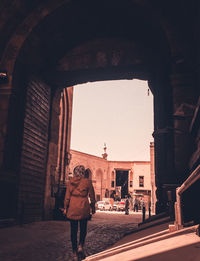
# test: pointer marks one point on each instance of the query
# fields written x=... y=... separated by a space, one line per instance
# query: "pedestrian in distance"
x=127 y=206
x=149 y=205
x=136 y=205
x=143 y=210
x=77 y=209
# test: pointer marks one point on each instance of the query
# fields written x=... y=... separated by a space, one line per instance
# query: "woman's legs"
x=74 y=230
x=83 y=231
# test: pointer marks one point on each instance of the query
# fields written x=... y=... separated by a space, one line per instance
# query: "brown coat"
x=76 y=198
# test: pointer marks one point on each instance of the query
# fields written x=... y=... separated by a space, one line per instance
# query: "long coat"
x=76 y=198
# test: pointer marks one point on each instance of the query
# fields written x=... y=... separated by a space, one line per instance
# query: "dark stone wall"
x=23 y=167
x=32 y=171
x=12 y=118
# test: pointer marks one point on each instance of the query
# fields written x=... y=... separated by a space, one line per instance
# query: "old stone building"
x=123 y=177
x=48 y=46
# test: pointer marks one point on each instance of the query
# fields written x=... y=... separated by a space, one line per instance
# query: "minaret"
x=105 y=155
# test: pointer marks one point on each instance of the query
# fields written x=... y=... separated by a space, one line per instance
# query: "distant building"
x=118 y=178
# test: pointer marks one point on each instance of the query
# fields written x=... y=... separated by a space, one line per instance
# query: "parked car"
x=107 y=206
x=115 y=205
x=104 y=205
x=121 y=206
x=100 y=205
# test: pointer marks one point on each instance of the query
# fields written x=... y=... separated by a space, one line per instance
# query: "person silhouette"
x=77 y=208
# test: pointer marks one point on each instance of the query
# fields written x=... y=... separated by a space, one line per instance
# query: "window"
x=131 y=183
x=112 y=184
x=141 y=181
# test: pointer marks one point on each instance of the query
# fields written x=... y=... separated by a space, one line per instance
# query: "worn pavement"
x=50 y=240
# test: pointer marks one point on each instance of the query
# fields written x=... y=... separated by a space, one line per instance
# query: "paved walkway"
x=50 y=240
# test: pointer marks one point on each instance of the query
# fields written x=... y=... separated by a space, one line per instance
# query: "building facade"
x=119 y=178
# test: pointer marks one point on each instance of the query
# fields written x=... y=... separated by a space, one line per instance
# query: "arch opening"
x=63 y=51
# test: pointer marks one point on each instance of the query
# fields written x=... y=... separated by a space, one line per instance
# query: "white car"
x=121 y=206
x=107 y=206
x=100 y=204
x=115 y=205
x=104 y=205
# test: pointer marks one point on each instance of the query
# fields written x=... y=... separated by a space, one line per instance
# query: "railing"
x=179 y=222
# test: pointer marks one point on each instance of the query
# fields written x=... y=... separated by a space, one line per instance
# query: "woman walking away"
x=77 y=208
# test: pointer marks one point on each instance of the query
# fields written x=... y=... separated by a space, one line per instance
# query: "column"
x=185 y=97
x=163 y=139
x=8 y=176
x=5 y=94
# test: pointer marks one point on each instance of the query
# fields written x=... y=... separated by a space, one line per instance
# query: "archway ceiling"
x=88 y=25
x=105 y=38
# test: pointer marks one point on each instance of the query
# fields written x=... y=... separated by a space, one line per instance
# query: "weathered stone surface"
x=50 y=241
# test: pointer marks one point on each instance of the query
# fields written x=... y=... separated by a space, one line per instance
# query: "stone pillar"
x=8 y=179
x=53 y=157
x=5 y=94
x=69 y=125
x=163 y=139
x=59 y=148
x=184 y=101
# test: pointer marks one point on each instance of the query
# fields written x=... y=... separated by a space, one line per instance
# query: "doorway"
x=122 y=181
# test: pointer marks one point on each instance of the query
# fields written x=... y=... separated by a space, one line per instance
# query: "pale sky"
x=118 y=113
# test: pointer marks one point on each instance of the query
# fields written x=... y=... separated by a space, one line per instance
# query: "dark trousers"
x=135 y=208
x=74 y=231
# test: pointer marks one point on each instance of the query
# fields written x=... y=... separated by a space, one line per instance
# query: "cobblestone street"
x=50 y=240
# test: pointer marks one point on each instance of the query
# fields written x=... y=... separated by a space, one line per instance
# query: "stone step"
x=139 y=243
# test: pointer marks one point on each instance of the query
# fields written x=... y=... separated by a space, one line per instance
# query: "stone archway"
x=36 y=19
x=37 y=44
